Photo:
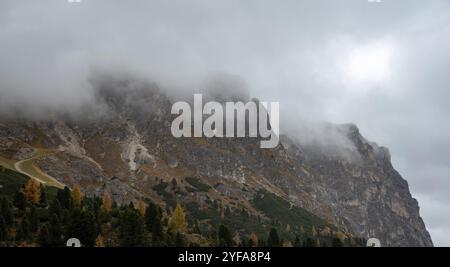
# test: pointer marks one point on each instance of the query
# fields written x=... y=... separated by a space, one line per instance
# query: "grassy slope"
x=11 y=181
x=28 y=167
x=7 y=163
x=277 y=208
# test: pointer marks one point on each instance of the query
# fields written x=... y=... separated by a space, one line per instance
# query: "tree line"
x=33 y=218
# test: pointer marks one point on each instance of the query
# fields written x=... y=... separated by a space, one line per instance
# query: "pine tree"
x=32 y=191
x=65 y=198
x=77 y=196
x=6 y=212
x=196 y=228
x=309 y=243
x=3 y=229
x=225 y=238
x=178 y=221
x=221 y=211
x=34 y=219
x=274 y=239
x=55 y=209
x=174 y=183
x=179 y=240
x=314 y=232
x=157 y=231
x=337 y=242
x=20 y=201
x=315 y=240
x=152 y=214
x=24 y=232
x=55 y=232
x=106 y=205
x=83 y=226
x=131 y=228
x=43 y=199
x=44 y=236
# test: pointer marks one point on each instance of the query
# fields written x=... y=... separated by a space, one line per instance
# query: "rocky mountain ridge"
x=124 y=147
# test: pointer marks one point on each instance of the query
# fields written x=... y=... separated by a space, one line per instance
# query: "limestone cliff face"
x=128 y=149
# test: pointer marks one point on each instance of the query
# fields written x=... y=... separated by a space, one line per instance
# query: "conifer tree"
x=77 y=196
x=274 y=239
x=309 y=242
x=34 y=219
x=196 y=228
x=253 y=240
x=6 y=212
x=55 y=209
x=44 y=236
x=3 y=229
x=83 y=226
x=152 y=214
x=178 y=221
x=65 y=198
x=32 y=191
x=157 y=231
x=337 y=242
x=99 y=242
x=314 y=232
x=141 y=207
x=23 y=231
x=20 y=201
x=179 y=240
x=131 y=228
x=225 y=237
x=43 y=193
x=55 y=232
x=106 y=204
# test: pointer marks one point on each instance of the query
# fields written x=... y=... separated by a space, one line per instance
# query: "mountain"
x=123 y=146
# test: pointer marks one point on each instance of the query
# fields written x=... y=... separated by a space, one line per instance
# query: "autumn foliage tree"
x=32 y=191
x=106 y=205
x=178 y=220
x=77 y=196
x=141 y=207
x=253 y=240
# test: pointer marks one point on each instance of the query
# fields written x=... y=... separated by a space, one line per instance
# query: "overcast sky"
x=383 y=66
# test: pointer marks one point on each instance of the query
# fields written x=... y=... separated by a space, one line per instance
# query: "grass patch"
x=10 y=182
x=277 y=208
x=7 y=163
x=30 y=168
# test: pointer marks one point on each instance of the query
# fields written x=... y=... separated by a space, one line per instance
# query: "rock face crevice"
x=130 y=149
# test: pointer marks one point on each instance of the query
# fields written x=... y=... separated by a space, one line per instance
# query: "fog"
x=382 y=66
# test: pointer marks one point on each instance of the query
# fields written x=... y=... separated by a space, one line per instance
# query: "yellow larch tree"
x=32 y=191
x=77 y=195
x=178 y=220
x=253 y=240
x=141 y=207
x=106 y=205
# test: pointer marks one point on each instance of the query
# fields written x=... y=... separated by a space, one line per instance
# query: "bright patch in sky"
x=370 y=63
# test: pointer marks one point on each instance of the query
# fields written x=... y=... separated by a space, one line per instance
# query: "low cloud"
x=294 y=52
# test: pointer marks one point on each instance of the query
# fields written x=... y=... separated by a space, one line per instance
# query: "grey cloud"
x=288 y=51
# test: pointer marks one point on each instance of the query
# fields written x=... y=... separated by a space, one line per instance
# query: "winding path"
x=28 y=168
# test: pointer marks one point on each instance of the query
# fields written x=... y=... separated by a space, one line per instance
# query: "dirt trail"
x=28 y=168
